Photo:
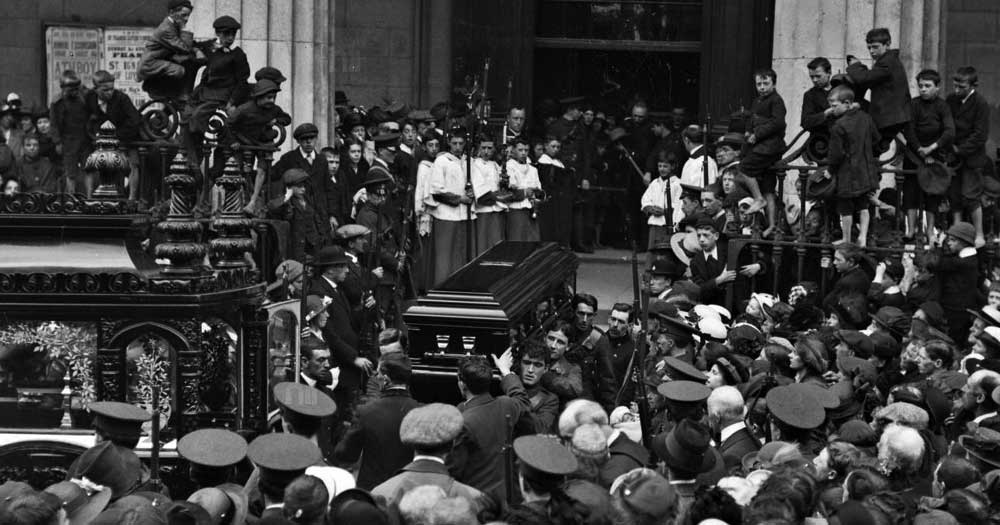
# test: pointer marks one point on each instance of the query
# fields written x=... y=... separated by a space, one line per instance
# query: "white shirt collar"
x=968 y=251
x=436 y=459
x=730 y=430
x=404 y=148
x=714 y=253
x=308 y=156
x=308 y=380
x=352 y=257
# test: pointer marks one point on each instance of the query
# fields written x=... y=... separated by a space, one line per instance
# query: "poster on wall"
x=75 y=48
x=123 y=47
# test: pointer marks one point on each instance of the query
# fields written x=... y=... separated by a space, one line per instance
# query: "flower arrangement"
x=153 y=369
x=74 y=344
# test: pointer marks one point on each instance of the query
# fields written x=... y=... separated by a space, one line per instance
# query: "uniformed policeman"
x=212 y=455
x=544 y=464
x=280 y=458
x=119 y=423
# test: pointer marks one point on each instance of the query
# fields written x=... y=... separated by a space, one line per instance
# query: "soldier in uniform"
x=598 y=372
x=279 y=458
x=544 y=465
x=119 y=423
x=212 y=455
x=309 y=230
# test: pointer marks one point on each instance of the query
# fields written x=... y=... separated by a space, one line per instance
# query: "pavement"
x=607 y=275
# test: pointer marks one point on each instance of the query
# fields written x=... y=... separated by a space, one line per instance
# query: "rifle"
x=403 y=255
x=639 y=355
x=508 y=459
x=704 y=142
x=155 y=483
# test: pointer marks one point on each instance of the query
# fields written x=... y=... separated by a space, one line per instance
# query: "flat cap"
x=175 y=4
x=212 y=447
x=304 y=131
x=796 y=408
x=653 y=496
x=303 y=399
x=283 y=452
x=351 y=231
x=857 y=341
x=679 y=369
x=294 y=176
x=684 y=392
x=226 y=23
x=289 y=266
x=270 y=73
x=545 y=454
x=264 y=87
x=431 y=425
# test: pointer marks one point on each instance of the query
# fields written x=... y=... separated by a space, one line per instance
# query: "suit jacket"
x=317 y=172
x=704 y=272
x=225 y=77
x=625 y=456
x=814 y=103
x=768 y=122
x=121 y=112
x=165 y=43
x=736 y=446
x=430 y=472
x=854 y=281
x=889 y=85
x=336 y=195
x=477 y=457
x=341 y=334
x=972 y=128
x=375 y=438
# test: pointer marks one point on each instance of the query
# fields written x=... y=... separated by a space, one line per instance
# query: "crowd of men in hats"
x=874 y=403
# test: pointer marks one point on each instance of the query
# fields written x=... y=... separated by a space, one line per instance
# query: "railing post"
x=183 y=247
x=232 y=227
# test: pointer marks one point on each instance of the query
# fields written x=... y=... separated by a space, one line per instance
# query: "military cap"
x=386 y=140
x=330 y=256
x=187 y=512
x=294 y=176
x=684 y=392
x=796 y=408
x=303 y=400
x=666 y=267
x=706 y=222
x=351 y=231
x=545 y=455
x=677 y=329
x=119 y=421
x=736 y=140
x=859 y=342
x=653 y=496
x=691 y=189
x=264 y=87
x=827 y=399
x=304 y=131
x=269 y=73
x=430 y=426
x=281 y=458
x=679 y=369
x=212 y=447
x=110 y=465
x=176 y=4
x=226 y=23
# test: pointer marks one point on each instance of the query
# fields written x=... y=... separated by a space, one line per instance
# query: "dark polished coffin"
x=484 y=307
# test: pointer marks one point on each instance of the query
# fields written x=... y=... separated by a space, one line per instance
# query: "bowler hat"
x=330 y=256
x=294 y=176
x=964 y=232
x=226 y=23
x=795 y=407
x=264 y=87
x=386 y=140
x=686 y=448
x=304 y=131
x=934 y=178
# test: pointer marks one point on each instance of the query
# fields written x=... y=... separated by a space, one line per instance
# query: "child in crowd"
x=37 y=172
x=971 y=112
x=663 y=194
x=853 y=162
x=765 y=139
x=887 y=80
x=929 y=135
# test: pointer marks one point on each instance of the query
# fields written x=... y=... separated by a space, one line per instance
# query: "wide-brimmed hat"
x=934 y=178
x=241 y=502
x=684 y=245
x=110 y=465
x=686 y=448
x=987 y=314
x=983 y=444
x=82 y=499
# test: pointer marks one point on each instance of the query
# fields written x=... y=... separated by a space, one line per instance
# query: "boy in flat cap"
x=254 y=121
x=309 y=230
x=168 y=64
x=306 y=158
x=431 y=430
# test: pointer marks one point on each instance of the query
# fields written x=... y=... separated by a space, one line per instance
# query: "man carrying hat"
x=224 y=80
x=431 y=431
x=254 y=121
x=308 y=229
x=171 y=58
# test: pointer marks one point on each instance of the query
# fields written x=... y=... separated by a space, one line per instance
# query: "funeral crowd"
x=873 y=400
